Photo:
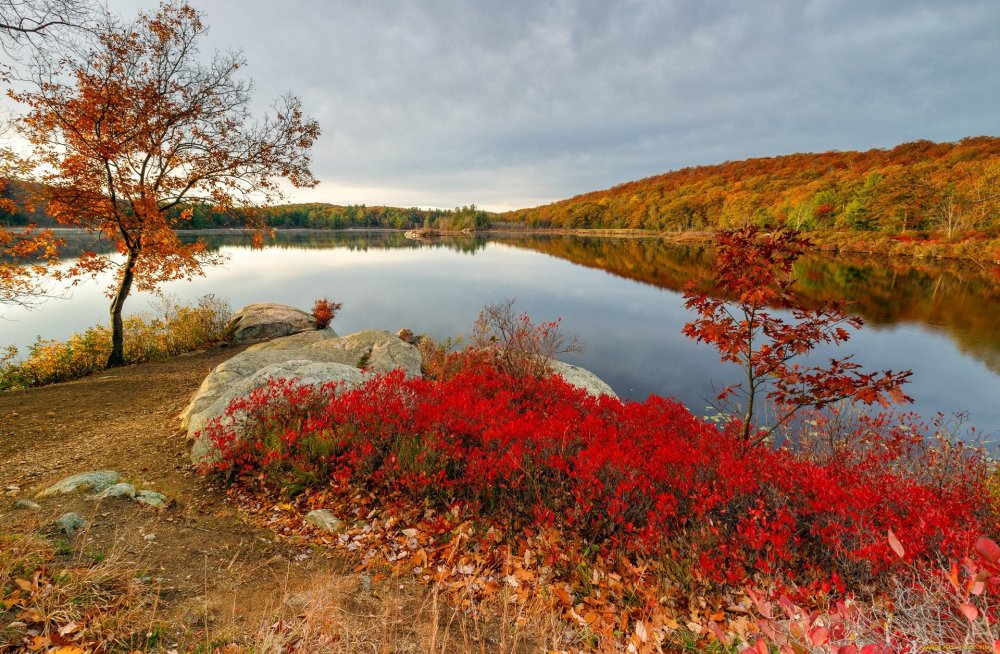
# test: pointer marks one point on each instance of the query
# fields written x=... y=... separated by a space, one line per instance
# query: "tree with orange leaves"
x=27 y=254
x=135 y=130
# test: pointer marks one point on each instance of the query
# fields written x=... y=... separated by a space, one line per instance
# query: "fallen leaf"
x=894 y=543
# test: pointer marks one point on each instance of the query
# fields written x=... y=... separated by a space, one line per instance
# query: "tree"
x=133 y=126
x=753 y=269
x=20 y=19
x=28 y=254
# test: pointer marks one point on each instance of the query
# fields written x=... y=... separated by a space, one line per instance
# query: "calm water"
x=620 y=296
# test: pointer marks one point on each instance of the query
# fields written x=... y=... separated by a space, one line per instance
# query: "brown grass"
x=51 y=597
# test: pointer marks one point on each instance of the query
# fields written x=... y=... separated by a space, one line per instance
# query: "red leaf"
x=969 y=611
x=988 y=549
x=819 y=636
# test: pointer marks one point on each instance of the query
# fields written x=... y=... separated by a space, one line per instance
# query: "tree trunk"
x=117 y=357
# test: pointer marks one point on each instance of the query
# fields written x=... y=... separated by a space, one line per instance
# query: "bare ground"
x=218 y=577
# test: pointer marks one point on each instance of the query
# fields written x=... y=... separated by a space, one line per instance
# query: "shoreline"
x=830 y=242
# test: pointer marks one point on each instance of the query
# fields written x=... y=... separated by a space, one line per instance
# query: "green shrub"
x=169 y=330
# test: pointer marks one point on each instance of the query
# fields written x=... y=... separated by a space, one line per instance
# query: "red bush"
x=324 y=312
x=637 y=478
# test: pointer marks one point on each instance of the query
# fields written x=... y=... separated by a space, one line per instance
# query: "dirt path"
x=216 y=577
x=215 y=571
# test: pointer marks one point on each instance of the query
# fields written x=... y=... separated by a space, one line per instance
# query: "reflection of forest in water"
x=961 y=301
x=75 y=242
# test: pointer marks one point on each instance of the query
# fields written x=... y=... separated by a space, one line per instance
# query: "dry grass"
x=51 y=597
x=347 y=614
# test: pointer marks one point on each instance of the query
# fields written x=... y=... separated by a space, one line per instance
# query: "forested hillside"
x=946 y=188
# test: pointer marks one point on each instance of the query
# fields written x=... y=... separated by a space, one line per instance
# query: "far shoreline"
x=892 y=246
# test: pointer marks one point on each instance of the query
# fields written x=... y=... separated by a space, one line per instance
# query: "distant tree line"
x=287 y=216
x=946 y=188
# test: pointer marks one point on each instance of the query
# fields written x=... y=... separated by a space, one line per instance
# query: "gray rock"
x=295 y=341
x=70 y=522
x=304 y=372
x=151 y=498
x=118 y=490
x=255 y=322
x=26 y=505
x=582 y=378
x=95 y=481
x=310 y=358
x=323 y=519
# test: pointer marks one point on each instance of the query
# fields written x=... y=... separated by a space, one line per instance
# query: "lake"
x=621 y=296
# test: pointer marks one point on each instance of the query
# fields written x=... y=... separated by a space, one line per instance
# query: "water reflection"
x=963 y=301
x=939 y=321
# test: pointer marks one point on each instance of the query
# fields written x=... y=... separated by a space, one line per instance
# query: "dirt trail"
x=213 y=568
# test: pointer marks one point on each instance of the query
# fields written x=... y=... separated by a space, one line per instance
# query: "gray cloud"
x=442 y=103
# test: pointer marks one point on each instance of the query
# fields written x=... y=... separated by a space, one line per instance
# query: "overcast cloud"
x=517 y=103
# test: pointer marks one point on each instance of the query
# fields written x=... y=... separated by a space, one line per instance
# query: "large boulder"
x=315 y=357
x=582 y=378
x=266 y=320
x=304 y=372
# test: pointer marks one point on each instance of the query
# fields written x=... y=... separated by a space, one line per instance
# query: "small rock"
x=150 y=537
x=405 y=334
x=96 y=481
x=70 y=522
x=118 y=490
x=151 y=498
x=26 y=505
x=323 y=519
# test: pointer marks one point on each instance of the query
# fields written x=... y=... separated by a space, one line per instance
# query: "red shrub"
x=324 y=312
x=637 y=478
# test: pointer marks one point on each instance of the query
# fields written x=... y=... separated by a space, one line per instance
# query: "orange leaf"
x=894 y=543
x=560 y=592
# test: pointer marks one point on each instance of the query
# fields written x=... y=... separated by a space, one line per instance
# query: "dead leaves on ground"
x=51 y=608
x=606 y=603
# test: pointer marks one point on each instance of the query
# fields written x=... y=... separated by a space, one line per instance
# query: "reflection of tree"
x=963 y=302
x=78 y=242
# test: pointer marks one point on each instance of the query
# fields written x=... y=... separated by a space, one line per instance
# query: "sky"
x=522 y=102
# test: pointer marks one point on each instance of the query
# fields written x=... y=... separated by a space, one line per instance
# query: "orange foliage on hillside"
x=947 y=188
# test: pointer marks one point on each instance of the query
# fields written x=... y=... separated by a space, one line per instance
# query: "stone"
x=256 y=322
x=315 y=357
x=582 y=378
x=379 y=349
x=324 y=520
x=70 y=523
x=118 y=490
x=26 y=505
x=95 y=481
x=151 y=498
x=406 y=335
x=304 y=372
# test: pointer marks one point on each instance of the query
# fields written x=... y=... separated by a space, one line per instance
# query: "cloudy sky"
x=517 y=103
